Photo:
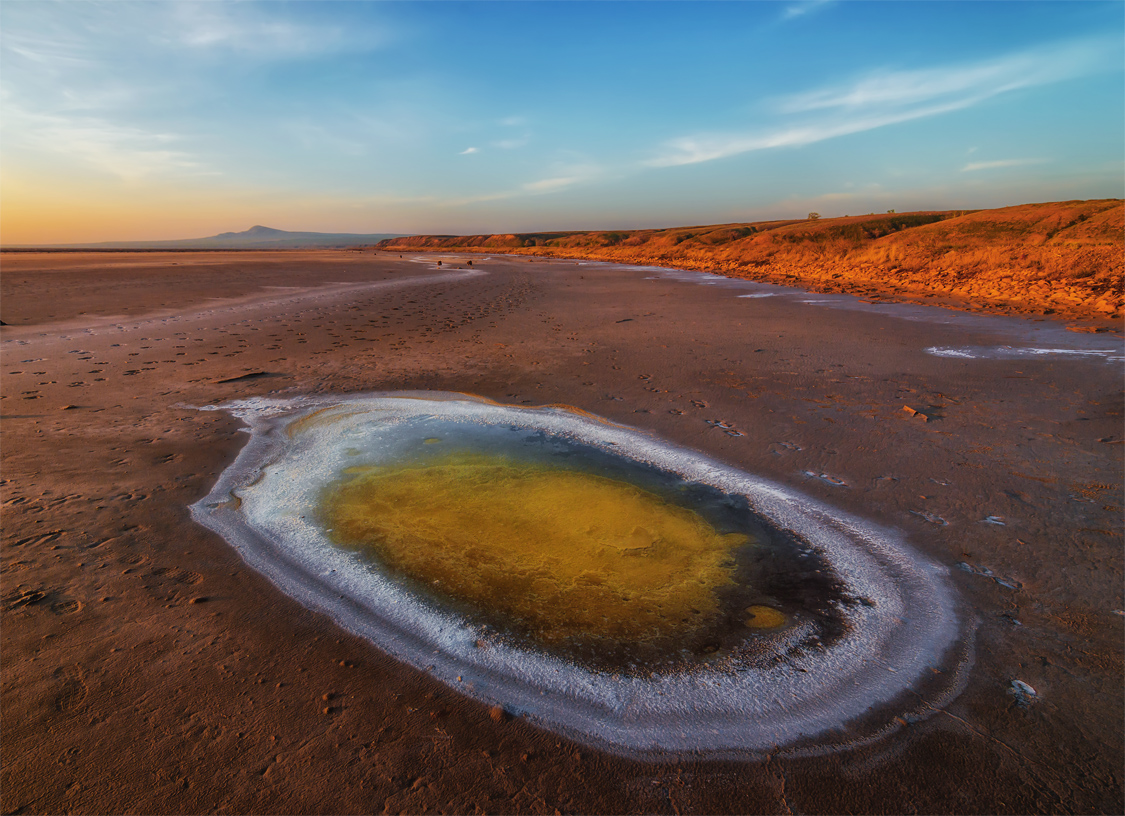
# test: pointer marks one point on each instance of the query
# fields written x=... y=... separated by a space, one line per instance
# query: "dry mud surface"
x=146 y=668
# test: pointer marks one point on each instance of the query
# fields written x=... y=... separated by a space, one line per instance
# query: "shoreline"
x=871 y=289
x=1064 y=259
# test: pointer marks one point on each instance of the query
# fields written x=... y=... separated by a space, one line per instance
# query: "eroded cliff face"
x=1065 y=258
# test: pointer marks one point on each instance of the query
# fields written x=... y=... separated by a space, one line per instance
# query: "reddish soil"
x=1064 y=258
x=147 y=669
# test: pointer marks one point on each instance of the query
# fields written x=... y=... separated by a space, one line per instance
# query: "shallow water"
x=1028 y=336
x=560 y=553
x=561 y=546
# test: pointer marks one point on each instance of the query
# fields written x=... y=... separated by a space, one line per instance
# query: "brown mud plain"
x=146 y=668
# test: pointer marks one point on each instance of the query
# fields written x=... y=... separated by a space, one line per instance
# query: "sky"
x=161 y=120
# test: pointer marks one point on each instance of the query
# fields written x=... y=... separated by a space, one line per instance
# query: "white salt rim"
x=809 y=696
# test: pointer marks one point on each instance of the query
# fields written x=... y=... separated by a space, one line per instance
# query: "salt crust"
x=812 y=701
x=1008 y=352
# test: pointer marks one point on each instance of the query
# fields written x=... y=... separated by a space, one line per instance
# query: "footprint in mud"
x=72 y=690
x=932 y=518
x=37 y=540
x=23 y=598
x=177 y=575
x=700 y=404
x=779 y=448
x=824 y=477
x=725 y=427
x=985 y=572
x=66 y=607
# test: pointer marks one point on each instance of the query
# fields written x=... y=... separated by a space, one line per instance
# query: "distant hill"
x=1065 y=258
x=257 y=237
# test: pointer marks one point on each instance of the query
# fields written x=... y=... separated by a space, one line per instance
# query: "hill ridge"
x=1065 y=258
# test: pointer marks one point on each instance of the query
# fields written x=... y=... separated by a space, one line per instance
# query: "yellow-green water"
x=561 y=553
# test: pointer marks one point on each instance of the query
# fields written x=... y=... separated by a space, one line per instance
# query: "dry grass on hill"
x=1063 y=258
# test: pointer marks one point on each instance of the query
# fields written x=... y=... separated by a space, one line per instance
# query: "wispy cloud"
x=131 y=154
x=512 y=144
x=257 y=30
x=565 y=175
x=891 y=97
x=695 y=149
x=468 y=151
x=968 y=83
x=73 y=35
x=550 y=185
x=973 y=167
x=569 y=172
x=800 y=9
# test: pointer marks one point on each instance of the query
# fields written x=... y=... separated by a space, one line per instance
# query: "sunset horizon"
x=154 y=121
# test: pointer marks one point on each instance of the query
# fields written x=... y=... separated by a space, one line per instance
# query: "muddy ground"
x=147 y=669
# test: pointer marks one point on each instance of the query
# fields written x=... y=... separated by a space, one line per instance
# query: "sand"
x=146 y=668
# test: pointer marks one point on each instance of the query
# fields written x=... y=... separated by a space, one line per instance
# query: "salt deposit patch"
x=1016 y=352
x=810 y=693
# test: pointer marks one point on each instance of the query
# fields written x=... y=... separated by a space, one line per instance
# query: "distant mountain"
x=258 y=233
x=257 y=237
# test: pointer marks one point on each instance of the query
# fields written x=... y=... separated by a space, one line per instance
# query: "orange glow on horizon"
x=47 y=211
x=38 y=209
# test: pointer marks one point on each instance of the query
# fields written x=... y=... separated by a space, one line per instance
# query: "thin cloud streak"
x=551 y=184
x=246 y=29
x=693 y=150
x=973 y=167
x=993 y=77
x=796 y=10
x=893 y=97
x=570 y=175
x=131 y=154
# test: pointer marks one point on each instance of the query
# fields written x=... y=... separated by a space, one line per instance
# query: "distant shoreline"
x=1064 y=259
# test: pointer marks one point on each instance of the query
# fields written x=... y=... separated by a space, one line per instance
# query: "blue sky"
x=163 y=120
